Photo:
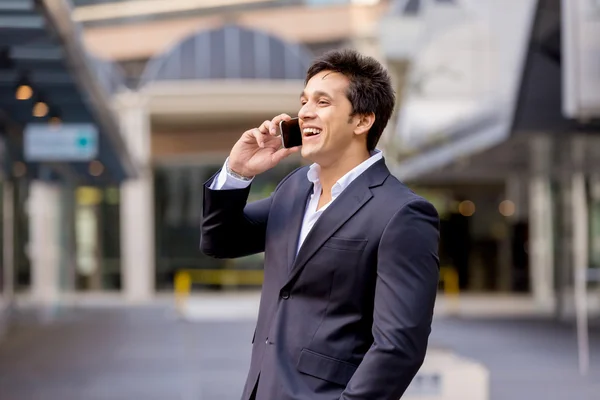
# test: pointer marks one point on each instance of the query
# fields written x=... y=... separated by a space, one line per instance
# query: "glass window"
x=97 y=241
x=178 y=213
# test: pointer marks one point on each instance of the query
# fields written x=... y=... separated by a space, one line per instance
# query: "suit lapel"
x=296 y=217
x=348 y=203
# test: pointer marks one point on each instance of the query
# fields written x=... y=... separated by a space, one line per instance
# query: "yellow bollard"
x=449 y=278
x=183 y=286
x=223 y=277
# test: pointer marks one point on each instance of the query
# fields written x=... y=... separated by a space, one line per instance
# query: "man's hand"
x=259 y=149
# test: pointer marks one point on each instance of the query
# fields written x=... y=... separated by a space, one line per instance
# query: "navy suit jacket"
x=349 y=316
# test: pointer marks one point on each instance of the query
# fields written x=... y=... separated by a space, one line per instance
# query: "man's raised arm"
x=231 y=227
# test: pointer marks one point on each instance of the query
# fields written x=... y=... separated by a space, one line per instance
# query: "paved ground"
x=147 y=354
x=527 y=359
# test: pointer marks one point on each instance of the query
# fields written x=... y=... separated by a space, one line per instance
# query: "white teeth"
x=311 y=131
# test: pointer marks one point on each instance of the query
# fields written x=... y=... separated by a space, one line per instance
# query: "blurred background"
x=113 y=113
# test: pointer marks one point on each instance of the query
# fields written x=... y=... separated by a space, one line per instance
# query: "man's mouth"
x=309 y=132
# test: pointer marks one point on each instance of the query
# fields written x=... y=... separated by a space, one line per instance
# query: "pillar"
x=515 y=190
x=137 y=203
x=580 y=236
x=88 y=238
x=595 y=219
x=45 y=242
x=541 y=226
x=8 y=250
x=564 y=248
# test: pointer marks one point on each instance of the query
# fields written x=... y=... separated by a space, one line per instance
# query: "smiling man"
x=351 y=263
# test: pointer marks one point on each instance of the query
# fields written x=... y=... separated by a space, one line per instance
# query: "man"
x=351 y=264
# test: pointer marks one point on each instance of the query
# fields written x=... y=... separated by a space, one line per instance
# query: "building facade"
x=490 y=127
x=502 y=123
x=57 y=132
x=193 y=79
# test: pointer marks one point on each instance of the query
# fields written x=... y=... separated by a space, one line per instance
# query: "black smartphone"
x=291 y=135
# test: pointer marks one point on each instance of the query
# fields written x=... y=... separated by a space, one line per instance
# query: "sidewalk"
x=148 y=353
x=244 y=304
x=236 y=306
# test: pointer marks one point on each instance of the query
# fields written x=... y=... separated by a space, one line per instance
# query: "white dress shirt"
x=226 y=181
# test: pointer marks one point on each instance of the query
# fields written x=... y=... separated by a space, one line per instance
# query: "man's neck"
x=330 y=174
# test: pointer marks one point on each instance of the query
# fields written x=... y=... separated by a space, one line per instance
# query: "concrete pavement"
x=147 y=353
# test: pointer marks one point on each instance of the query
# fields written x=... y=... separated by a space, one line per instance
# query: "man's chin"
x=307 y=153
x=312 y=155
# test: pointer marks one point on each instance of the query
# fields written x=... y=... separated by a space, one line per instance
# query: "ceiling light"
x=40 y=109
x=54 y=119
x=466 y=208
x=96 y=168
x=507 y=208
x=24 y=91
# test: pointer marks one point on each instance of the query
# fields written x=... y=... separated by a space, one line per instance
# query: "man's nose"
x=306 y=112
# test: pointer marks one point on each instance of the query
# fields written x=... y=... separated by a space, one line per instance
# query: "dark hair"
x=370 y=89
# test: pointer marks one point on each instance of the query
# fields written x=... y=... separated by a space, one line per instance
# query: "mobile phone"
x=291 y=135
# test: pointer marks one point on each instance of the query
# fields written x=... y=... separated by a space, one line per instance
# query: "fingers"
x=265 y=127
x=274 y=127
x=258 y=136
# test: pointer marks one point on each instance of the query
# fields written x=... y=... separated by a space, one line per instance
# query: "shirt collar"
x=344 y=181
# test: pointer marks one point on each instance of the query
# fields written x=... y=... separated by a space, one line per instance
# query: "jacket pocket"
x=346 y=244
x=325 y=367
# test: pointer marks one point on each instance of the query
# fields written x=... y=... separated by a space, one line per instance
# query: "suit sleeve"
x=231 y=228
x=406 y=288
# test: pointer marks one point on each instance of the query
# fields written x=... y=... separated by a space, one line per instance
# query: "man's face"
x=327 y=128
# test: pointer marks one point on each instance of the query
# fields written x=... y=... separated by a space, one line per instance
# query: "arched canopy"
x=229 y=52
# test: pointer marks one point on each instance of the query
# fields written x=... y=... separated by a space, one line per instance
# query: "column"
x=579 y=209
x=137 y=203
x=595 y=219
x=69 y=264
x=8 y=250
x=515 y=186
x=88 y=238
x=563 y=239
x=594 y=240
x=45 y=242
x=541 y=253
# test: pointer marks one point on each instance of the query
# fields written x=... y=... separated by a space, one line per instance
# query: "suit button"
x=285 y=295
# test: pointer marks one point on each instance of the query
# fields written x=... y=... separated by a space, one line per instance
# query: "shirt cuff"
x=226 y=181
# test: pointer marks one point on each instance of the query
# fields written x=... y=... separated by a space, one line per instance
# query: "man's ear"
x=364 y=122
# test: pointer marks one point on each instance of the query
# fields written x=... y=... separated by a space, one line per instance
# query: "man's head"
x=349 y=99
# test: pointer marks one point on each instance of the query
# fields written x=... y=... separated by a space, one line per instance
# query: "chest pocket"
x=338 y=252
x=352 y=245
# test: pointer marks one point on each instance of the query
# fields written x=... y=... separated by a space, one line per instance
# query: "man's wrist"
x=235 y=174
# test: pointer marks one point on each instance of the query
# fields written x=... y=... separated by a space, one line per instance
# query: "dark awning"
x=40 y=46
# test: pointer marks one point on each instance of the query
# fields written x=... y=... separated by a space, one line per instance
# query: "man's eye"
x=323 y=102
